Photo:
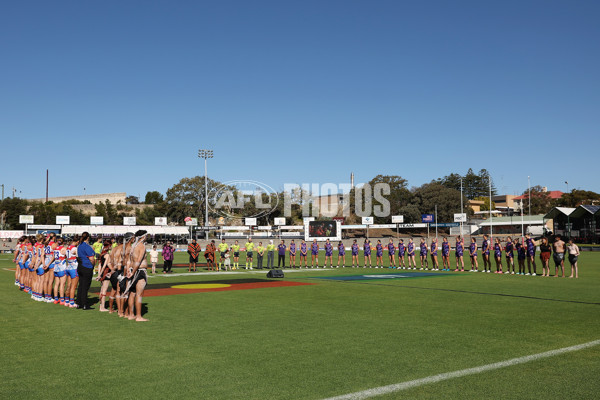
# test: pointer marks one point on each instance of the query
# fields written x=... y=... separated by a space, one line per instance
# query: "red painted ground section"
x=234 y=286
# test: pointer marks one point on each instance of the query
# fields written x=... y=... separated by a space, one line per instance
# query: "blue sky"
x=119 y=95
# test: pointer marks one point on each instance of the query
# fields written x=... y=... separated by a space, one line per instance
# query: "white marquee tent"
x=109 y=230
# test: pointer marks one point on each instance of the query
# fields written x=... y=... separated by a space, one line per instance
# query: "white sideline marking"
x=365 y=394
x=238 y=272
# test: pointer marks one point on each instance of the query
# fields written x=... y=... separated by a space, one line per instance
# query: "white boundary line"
x=365 y=394
x=238 y=272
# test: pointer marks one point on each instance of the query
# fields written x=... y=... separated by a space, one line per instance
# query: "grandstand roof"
x=585 y=210
x=121 y=230
x=554 y=194
x=556 y=211
x=515 y=220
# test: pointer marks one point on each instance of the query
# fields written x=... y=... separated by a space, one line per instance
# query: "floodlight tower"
x=206 y=154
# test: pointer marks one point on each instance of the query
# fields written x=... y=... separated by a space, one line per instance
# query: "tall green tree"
x=11 y=208
x=153 y=197
x=186 y=198
x=433 y=194
x=411 y=213
x=45 y=213
x=132 y=200
x=577 y=197
x=399 y=195
x=473 y=185
x=146 y=215
x=109 y=212
x=541 y=202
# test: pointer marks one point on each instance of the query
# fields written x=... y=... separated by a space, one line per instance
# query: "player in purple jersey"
x=328 y=254
x=498 y=256
x=445 y=254
x=392 y=253
x=521 y=255
x=473 y=255
x=485 y=251
x=459 y=249
x=423 y=254
x=530 y=254
x=292 y=254
x=508 y=250
x=401 y=252
x=355 y=249
x=410 y=252
x=378 y=254
x=341 y=255
x=314 y=251
x=367 y=253
x=303 y=252
x=434 y=255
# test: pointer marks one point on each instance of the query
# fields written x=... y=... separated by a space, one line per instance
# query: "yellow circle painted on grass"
x=201 y=286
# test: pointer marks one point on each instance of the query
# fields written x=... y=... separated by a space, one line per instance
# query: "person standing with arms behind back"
x=85 y=269
x=270 y=254
x=260 y=252
x=249 y=252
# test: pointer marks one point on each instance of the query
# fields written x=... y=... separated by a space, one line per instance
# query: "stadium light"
x=206 y=154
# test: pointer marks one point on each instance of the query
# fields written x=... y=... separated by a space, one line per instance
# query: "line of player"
x=46 y=268
x=525 y=250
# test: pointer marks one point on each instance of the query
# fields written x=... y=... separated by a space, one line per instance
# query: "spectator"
x=167 y=253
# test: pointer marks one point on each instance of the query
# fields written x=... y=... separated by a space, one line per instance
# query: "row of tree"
x=186 y=198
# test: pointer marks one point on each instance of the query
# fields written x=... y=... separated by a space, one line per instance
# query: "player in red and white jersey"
x=49 y=259
x=38 y=286
x=60 y=272
x=16 y=258
x=72 y=277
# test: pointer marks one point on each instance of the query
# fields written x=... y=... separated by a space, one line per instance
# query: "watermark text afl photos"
x=236 y=198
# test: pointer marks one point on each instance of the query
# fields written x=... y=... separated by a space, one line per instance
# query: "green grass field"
x=311 y=342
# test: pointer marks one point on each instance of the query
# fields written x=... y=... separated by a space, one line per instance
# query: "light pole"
x=568 y=215
x=491 y=224
x=529 y=198
x=461 y=207
x=206 y=154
